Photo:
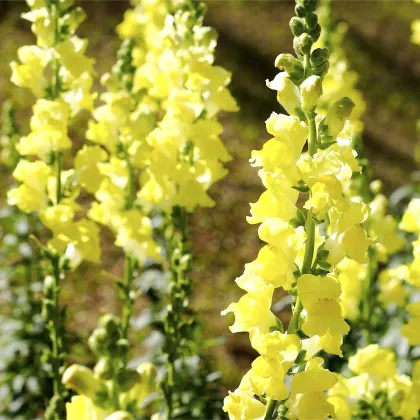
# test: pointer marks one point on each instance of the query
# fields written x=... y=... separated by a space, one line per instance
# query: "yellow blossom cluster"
x=119 y=129
x=305 y=243
x=174 y=60
x=59 y=74
x=376 y=390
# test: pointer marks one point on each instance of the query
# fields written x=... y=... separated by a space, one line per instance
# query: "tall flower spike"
x=60 y=76
x=304 y=261
x=113 y=165
x=174 y=55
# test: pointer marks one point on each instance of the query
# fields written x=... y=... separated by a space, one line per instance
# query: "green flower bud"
x=305 y=43
x=300 y=11
x=331 y=126
x=319 y=56
x=109 y=321
x=112 y=324
x=292 y=65
x=122 y=347
x=322 y=69
x=315 y=32
x=311 y=20
x=296 y=47
x=310 y=91
x=81 y=379
x=103 y=369
x=297 y=26
x=120 y=415
x=309 y=5
x=99 y=341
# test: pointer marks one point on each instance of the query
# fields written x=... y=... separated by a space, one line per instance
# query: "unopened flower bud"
x=333 y=123
x=315 y=32
x=300 y=10
x=122 y=347
x=82 y=380
x=297 y=26
x=309 y=5
x=292 y=65
x=311 y=91
x=319 y=56
x=322 y=69
x=312 y=20
x=305 y=43
x=103 y=369
x=99 y=341
x=112 y=324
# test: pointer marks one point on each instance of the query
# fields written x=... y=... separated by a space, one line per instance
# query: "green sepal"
x=322 y=254
x=301 y=187
x=278 y=327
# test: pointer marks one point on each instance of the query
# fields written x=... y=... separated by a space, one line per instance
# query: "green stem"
x=310 y=244
x=115 y=393
x=368 y=301
x=170 y=366
x=131 y=185
x=56 y=326
x=59 y=164
x=271 y=408
x=28 y=279
x=310 y=231
x=128 y=303
x=307 y=65
x=309 y=250
x=176 y=321
x=312 y=140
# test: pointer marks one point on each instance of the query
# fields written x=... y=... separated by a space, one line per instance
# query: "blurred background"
x=252 y=33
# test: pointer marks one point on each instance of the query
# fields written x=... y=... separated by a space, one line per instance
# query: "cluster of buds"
x=112 y=390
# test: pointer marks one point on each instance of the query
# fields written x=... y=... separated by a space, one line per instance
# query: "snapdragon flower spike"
x=45 y=187
x=174 y=60
x=112 y=167
x=60 y=76
x=119 y=129
x=308 y=160
x=186 y=154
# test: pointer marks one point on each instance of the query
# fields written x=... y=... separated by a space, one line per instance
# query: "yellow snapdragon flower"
x=374 y=361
